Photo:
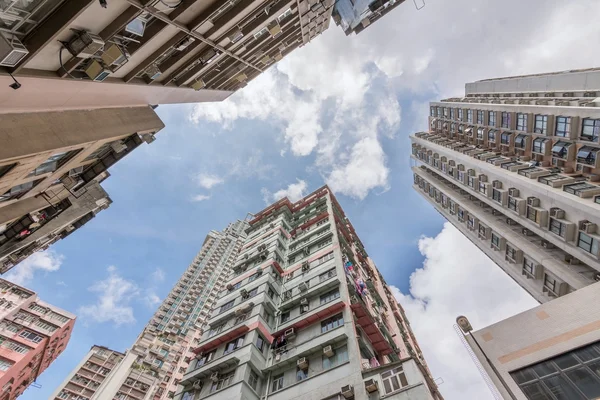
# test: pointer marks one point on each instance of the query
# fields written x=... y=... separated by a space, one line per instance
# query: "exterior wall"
x=192 y=51
x=356 y=16
x=290 y=277
x=535 y=335
x=34 y=333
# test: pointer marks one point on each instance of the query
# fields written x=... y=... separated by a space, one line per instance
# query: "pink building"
x=32 y=335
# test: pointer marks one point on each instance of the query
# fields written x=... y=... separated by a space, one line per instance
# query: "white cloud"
x=294 y=192
x=200 y=197
x=207 y=181
x=45 y=261
x=158 y=275
x=452 y=284
x=113 y=303
x=61 y=283
x=151 y=299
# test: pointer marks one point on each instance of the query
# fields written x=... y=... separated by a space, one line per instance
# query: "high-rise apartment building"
x=32 y=335
x=163 y=351
x=550 y=352
x=120 y=53
x=305 y=314
x=514 y=165
x=354 y=16
x=106 y=374
x=50 y=167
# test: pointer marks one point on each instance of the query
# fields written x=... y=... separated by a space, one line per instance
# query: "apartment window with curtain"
x=394 y=380
x=492 y=118
x=541 y=124
x=571 y=376
x=480 y=117
x=330 y=296
x=563 y=126
x=223 y=382
x=460 y=114
x=277 y=383
x=340 y=357
x=332 y=323
x=470 y=116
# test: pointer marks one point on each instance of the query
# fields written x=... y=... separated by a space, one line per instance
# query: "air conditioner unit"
x=275 y=29
x=306 y=250
x=259 y=271
x=115 y=55
x=197 y=385
x=148 y=138
x=236 y=35
x=208 y=56
x=305 y=266
x=214 y=377
x=482 y=178
x=527 y=232
x=12 y=51
x=241 y=77
x=328 y=351
x=84 y=44
x=264 y=255
x=153 y=72
x=497 y=185
x=347 y=391
x=304 y=301
x=96 y=71
x=587 y=226
x=547 y=245
x=556 y=212
x=118 y=146
x=303 y=287
x=533 y=201
x=290 y=334
x=371 y=386
x=513 y=192
x=244 y=293
x=185 y=43
x=262 y=247
x=302 y=363
x=199 y=84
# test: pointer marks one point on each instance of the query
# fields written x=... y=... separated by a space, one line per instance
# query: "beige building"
x=514 y=165
x=551 y=352
x=106 y=374
x=51 y=164
x=80 y=54
x=305 y=314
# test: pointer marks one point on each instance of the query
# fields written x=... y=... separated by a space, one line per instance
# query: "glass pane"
x=585 y=381
x=544 y=368
x=536 y=391
x=595 y=367
x=566 y=361
x=587 y=353
x=561 y=389
x=524 y=375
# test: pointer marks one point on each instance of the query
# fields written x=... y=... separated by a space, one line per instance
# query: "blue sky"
x=344 y=121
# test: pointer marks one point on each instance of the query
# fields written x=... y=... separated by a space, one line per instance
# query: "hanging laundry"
x=374 y=363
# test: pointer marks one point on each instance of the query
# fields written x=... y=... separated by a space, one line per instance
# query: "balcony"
x=368 y=323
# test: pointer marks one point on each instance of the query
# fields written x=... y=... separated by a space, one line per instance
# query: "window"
x=332 y=323
x=482 y=230
x=222 y=383
x=327 y=297
x=432 y=111
x=497 y=195
x=505 y=138
x=471 y=181
x=480 y=117
x=340 y=357
x=327 y=275
x=19 y=190
x=394 y=380
x=253 y=277
x=460 y=114
x=532 y=214
x=482 y=187
x=470 y=116
x=233 y=345
x=495 y=240
x=541 y=124
x=563 y=126
x=578 y=188
x=270 y=293
x=277 y=383
x=560 y=149
x=569 y=376
x=32 y=337
x=53 y=163
x=587 y=243
x=285 y=316
x=539 y=145
x=260 y=33
x=36 y=307
x=253 y=380
x=215 y=330
x=528 y=266
x=557 y=227
x=452 y=113
x=511 y=252
x=439 y=111
x=301 y=374
x=285 y=14
x=590 y=129
x=226 y=306
x=506 y=120
x=521 y=141
x=260 y=343
x=521 y=122
x=492 y=135
x=492 y=118
x=5 y=364
x=585 y=155
x=480 y=133
x=5 y=169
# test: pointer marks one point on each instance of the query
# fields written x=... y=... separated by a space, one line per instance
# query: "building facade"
x=98 y=369
x=32 y=335
x=354 y=16
x=550 y=352
x=121 y=53
x=514 y=166
x=306 y=314
x=163 y=351
x=51 y=164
